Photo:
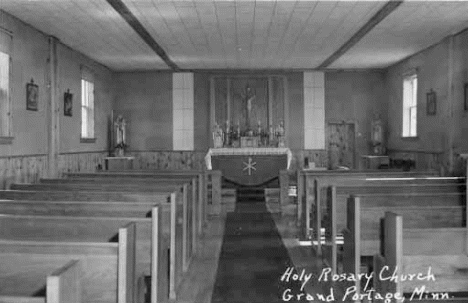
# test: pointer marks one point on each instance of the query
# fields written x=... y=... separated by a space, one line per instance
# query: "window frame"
x=87 y=97
x=409 y=128
x=6 y=44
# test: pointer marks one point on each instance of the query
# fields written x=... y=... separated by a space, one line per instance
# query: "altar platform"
x=249 y=166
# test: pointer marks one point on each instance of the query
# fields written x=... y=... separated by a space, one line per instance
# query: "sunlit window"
x=410 y=104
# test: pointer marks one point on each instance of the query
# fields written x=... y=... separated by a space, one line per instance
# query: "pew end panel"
x=187 y=227
x=176 y=242
x=64 y=285
x=284 y=183
x=159 y=264
x=330 y=249
x=25 y=263
x=300 y=197
x=215 y=177
x=381 y=286
x=351 y=247
x=427 y=252
x=127 y=283
x=61 y=286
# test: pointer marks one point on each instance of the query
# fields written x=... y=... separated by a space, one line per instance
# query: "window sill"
x=87 y=140
x=6 y=140
x=410 y=138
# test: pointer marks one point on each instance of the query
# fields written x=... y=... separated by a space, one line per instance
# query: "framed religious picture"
x=32 y=96
x=431 y=103
x=68 y=104
x=465 y=100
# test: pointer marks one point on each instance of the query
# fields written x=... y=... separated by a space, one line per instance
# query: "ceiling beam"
x=386 y=10
x=123 y=11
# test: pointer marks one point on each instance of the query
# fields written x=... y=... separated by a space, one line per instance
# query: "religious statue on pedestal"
x=218 y=136
x=377 y=140
x=120 y=142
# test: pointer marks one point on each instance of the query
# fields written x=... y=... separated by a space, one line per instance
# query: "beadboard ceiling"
x=242 y=34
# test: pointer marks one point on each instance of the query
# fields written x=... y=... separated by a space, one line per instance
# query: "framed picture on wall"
x=68 y=104
x=465 y=100
x=431 y=103
x=32 y=95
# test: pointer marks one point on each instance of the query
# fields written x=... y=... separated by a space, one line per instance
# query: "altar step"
x=271 y=196
x=228 y=200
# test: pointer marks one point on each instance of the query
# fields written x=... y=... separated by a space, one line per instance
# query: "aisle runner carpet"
x=253 y=257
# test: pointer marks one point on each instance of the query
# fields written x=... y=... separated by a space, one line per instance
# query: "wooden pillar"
x=212 y=108
x=300 y=196
x=228 y=100
x=185 y=232
x=318 y=216
x=270 y=103
x=286 y=110
x=194 y=216
x=450 y=100
x=53 y=113
x=465 y=158
x=284 y=189
x=216 y=192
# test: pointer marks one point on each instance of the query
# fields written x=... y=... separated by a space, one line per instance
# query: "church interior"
x=233 y=151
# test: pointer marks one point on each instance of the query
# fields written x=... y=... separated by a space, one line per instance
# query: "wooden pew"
x=362 y=238
x=133 y=182
x=306 y=180
x=191 y=214
x=28 y=277
x=426 y=210
x=322 y=200
x=210 y=182
x=108 y=266
x=387 y=193
x=438 y=251
x=153 y=241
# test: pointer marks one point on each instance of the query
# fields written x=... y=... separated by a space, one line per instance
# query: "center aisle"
x=253 y=257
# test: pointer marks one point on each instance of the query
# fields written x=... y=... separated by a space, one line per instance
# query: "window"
x=5 y=98
x=410 y=104
x=87 y=109
x=4 y=95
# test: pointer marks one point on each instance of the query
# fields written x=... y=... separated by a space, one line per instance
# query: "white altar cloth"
x=248 y=151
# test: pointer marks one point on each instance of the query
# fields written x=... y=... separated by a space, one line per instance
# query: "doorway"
x=341 y=145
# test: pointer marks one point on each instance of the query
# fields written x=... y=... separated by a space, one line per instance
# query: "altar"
x=249 y=166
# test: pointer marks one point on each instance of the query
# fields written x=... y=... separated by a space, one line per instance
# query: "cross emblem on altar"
x=249 y=166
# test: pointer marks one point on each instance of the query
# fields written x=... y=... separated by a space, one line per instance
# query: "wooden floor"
x=199 y=283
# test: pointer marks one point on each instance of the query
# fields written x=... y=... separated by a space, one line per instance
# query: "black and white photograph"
x=431 y=103
x=32 y=95
x=231 y=151
x=68 y=103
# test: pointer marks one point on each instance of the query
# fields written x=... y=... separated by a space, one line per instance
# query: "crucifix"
x=248 y=96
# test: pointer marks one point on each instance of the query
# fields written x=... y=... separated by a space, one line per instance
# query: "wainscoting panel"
x=30 y=168
x=81 y=162
x=319 y=157
x=186 y=160
x=22 y=169
x=424 y=160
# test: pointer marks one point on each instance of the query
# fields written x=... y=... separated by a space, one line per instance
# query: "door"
x=341 y=141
